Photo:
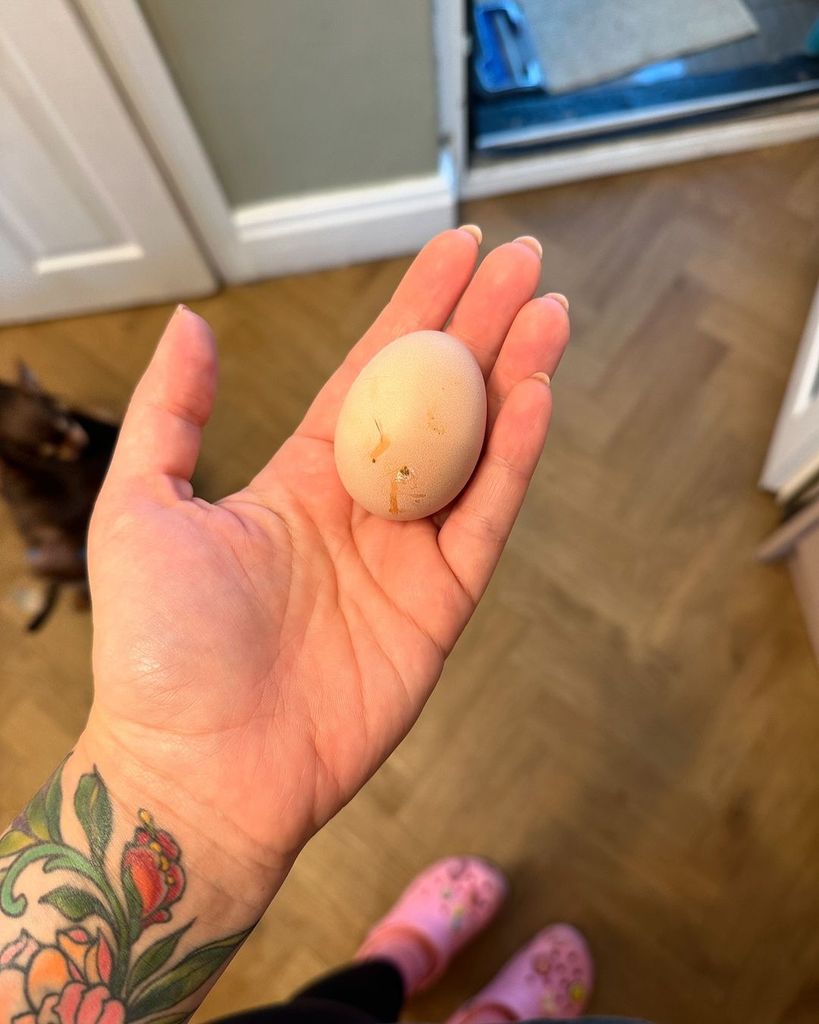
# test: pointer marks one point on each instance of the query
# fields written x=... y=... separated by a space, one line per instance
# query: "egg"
x=411 y=427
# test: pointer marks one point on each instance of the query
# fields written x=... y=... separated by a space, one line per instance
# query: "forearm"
x=110 y=898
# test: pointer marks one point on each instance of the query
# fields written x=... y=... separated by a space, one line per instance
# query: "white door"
x=794 y=453
x=86 y=221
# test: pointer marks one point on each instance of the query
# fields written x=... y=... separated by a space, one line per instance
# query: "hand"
x=257 y=659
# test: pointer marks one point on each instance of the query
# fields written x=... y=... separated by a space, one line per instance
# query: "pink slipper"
x=447 y=905
x=550 y=977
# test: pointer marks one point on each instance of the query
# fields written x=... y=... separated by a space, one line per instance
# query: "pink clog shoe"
x=445 y=906
x=550 y=978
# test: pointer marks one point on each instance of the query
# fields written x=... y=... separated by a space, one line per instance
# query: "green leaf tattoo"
x=94 y=813
x=133 y=905
x=154 y=957
x=37 y=819
x=186 y=977
x=76 y=904
x=106 y=913
x=14 y=841
x=54 y=805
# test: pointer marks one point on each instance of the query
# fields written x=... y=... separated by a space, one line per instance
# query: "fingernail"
x=540 y=375
x=532 y=243
x=474 y=230
x=181 y=308
x=558 y=297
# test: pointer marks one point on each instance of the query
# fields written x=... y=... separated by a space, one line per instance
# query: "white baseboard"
x=288 y=236
x=515 y=174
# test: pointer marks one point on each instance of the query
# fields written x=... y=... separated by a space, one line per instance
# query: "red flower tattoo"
x=151 y=860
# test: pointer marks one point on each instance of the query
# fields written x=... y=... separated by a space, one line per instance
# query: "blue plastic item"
x=505 y=57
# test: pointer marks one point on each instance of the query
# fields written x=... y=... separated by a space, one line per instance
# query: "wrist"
x=226 y=875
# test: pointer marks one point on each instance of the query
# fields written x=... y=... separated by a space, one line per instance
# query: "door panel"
x=86 y=221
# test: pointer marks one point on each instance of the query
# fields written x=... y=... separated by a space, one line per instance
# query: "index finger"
x=423 y=300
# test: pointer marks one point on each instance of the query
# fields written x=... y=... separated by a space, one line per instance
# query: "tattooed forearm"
x=115 y=959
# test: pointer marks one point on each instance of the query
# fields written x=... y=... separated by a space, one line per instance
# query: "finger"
x=505 y=280
x=536 y=341
x=160 y=437
x=473 y=537
x=423 y=300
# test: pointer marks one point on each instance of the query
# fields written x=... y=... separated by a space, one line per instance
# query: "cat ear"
x=26 y=379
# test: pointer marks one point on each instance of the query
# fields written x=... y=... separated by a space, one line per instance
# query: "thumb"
x=162 y=431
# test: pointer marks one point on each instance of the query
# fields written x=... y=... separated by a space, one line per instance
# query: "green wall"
x=291 y=96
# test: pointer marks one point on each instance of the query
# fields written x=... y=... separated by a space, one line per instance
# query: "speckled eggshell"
x=412 y=426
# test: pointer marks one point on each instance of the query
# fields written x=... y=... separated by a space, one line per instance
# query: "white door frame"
x=451 y=43
x=793 y=457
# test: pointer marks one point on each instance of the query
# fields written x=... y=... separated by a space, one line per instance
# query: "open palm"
x=263 y=655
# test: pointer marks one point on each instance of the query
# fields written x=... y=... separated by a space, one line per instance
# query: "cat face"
x=36 y=425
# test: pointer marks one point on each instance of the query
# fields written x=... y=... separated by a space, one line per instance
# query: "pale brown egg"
x=412 y=426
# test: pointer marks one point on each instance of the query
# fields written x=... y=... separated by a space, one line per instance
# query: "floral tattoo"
x=99 y=969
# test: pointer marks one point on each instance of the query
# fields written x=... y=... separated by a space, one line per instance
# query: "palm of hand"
x=276 y=646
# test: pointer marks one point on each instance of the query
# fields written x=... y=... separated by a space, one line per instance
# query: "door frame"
x=793 y=457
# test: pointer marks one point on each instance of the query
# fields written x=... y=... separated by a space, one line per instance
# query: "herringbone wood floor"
x=631 y=725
